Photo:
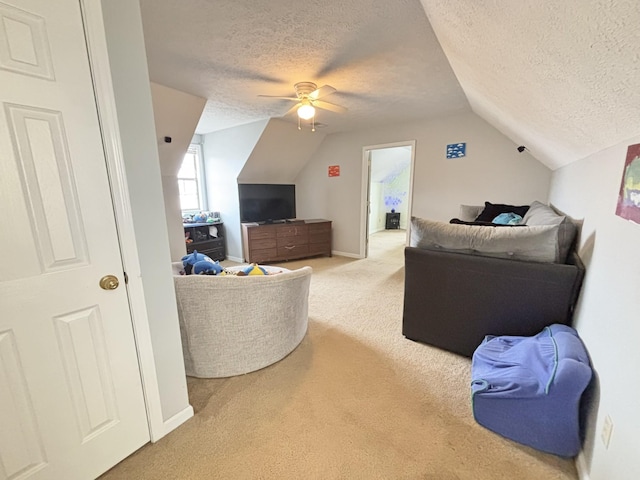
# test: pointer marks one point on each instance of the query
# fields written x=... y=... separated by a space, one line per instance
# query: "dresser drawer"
x=292 y=241
x=261 y=233
x=263 y=255
x=262 y=243
x=320 y=248
x=319 y=228
x=323 y=237
x=291 y=231
x=293 y=251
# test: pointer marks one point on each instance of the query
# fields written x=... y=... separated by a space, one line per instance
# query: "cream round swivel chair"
x=233 y=325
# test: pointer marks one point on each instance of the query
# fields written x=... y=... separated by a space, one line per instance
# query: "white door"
x=71 y=401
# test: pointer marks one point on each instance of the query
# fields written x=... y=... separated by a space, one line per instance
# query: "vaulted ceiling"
x=562 y=78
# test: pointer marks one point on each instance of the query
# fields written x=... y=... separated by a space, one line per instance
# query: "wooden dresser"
x=286 y=241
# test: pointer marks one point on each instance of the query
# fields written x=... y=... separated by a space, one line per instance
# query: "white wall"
x=173 y=212
x=225 y=154
x=607 y=315
x=493 y=170
x=128 y=62
x=376 y=208
x=176 y=115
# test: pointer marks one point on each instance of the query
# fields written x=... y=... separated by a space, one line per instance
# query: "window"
x=190 y=181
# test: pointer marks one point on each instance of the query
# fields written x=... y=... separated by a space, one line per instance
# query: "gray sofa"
x=463 y=282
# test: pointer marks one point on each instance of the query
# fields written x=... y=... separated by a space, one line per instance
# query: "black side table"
x=393 y=221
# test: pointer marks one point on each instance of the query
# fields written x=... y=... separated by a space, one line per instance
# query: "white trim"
x=235 y=259
x=581 y=466
x=178 y=419
x=364 y=196
x=108 y=118
x=345 y=254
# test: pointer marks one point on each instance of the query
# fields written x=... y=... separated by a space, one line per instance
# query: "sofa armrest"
x=452 y=300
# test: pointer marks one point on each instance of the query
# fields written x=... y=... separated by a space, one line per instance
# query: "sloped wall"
x=558 y=77
x=281 y=152
x=176 y=115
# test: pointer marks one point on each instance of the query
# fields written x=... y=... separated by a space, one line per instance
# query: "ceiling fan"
x=307 y=99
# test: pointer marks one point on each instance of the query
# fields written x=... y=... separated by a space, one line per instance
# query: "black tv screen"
x=266 y=203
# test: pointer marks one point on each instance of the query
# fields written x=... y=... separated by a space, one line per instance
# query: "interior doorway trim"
x=105 y=100
x=364 y=199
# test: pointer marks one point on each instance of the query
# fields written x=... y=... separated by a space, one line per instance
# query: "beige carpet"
x=356 y=400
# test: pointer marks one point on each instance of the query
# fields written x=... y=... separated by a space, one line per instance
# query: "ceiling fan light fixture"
x=306 y=111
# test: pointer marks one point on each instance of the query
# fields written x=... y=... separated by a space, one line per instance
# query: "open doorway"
x=387 y=192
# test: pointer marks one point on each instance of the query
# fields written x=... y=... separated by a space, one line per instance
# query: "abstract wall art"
x=629 y=196
x=456 y=150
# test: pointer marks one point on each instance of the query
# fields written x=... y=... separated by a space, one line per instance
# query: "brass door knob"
x=109 y=282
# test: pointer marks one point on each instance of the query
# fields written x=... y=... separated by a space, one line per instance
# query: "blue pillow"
x=508 y=218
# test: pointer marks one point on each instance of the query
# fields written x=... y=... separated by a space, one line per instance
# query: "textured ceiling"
x=382 y=57
x=561 y=77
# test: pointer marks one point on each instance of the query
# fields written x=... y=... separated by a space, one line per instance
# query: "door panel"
x=71 y=401
x=20 y=442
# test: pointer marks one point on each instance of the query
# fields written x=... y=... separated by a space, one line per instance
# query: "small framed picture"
x=456 y=150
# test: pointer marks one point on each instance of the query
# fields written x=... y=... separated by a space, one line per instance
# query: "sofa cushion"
x=468 y=213
x=534 y=243
x=492 y=210
x=541 y=214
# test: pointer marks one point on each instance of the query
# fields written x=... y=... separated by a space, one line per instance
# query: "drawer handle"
x=289 y=247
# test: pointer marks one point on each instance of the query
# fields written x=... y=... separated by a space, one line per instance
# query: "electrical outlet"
x=607 y=430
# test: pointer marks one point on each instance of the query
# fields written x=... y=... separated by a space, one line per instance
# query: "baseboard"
x=581 y=467
x=235 y=259
x=345 y=254
x=175 y=421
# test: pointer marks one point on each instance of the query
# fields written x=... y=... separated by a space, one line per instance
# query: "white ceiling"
x=561 y=78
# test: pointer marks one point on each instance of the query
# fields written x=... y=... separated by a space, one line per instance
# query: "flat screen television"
x=266 y=203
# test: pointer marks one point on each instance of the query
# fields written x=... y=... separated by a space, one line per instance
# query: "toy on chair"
x=200 y=264
x=253 y=269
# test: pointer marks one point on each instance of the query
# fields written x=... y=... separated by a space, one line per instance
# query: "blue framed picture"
x=456 y=150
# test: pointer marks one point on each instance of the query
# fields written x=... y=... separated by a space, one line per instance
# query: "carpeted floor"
x=356 y=400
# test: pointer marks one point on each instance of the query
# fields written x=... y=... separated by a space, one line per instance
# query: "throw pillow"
x=541 y=214
x=492 y=210
x=508 y=218
x=468 y=213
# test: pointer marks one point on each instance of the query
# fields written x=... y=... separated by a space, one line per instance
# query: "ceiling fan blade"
x=329 y=106
x=322 y=92
x=295 y=99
